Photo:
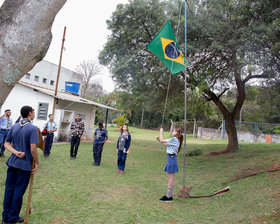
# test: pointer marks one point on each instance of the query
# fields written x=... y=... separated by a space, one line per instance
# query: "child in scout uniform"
x=100 y=137
x=173 y=147
x=21 y=142
x=51 y=127
x=123 y=147
x=5 y=125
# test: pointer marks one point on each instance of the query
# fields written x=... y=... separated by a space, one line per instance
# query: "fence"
x=246 y=131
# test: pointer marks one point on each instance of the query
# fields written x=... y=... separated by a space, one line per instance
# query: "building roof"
x=64 y=95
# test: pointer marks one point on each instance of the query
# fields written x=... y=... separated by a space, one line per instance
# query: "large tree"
x=230 y=44
x=25 y=36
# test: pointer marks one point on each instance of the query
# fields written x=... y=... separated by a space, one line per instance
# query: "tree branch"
x=262 y=76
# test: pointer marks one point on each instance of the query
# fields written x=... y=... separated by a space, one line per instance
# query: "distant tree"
x=91 y=86
x=25 y=36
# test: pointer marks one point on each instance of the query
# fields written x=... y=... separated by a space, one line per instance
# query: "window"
x=27 y=76
x=52 y=83
x=44 y=80
x=43 y=111
x=36 y=78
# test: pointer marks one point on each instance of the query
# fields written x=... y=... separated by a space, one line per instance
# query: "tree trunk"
x=142 y=118
x=232 y=135
x=25 y=36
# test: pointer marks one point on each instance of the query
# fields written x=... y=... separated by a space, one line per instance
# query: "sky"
x=86 y=34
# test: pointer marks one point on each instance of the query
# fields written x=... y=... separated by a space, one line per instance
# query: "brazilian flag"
x=165 y=46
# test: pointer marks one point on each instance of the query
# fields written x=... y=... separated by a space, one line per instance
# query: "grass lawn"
x=75 y=191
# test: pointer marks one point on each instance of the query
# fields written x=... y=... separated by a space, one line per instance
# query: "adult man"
x=77 y=130
x=51 y=127
x=100 y=137
x=5 y=125
x=21 y=142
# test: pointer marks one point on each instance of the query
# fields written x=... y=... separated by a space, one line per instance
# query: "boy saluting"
x=21 y=142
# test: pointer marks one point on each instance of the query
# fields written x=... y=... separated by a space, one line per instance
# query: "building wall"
x=21 y=96
x=68 y=112
x=48 y=70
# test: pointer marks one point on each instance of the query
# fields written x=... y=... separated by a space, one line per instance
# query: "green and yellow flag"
x=165 y=46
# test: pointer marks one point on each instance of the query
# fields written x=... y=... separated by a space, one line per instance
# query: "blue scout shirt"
x=51 y=125
x=172 y=146
x=6 y=123
x=100 y=135
x=21 y=136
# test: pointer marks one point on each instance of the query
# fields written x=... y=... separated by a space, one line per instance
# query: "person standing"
x=173 y=147
x=77 y=130
x=123 y=147
x=51 y=128
x=21 y=142
x=5 y=125
x=100 y=137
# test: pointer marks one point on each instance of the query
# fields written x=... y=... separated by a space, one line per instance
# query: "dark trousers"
x=75 y=142
x=97 y=152
x=16 y=183
x=121 y=160
x=48 y=144
x=3 y=136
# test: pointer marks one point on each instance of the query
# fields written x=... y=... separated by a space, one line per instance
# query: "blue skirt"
x=172 y=165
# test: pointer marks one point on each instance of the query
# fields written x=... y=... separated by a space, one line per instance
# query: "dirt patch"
x=200 y=206
x=59 y=198
x=274 y=217
x=59 y=220
x=254 y=171
x=171 y=222
x=166 y=205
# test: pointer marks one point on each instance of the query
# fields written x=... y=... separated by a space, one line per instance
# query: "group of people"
x=22 y=138
x=100 y=137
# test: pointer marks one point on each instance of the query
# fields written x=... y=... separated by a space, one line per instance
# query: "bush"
x=121 y=120
x=194 y=152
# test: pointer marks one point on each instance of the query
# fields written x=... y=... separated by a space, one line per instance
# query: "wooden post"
x=106 y=119
x=58 y=71
x=28 y=208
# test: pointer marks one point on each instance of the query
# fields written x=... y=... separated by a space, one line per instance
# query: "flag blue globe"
x=172 y=51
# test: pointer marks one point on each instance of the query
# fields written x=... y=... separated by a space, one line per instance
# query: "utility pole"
x=58 y=71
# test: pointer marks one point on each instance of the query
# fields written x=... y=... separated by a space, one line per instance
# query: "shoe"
x=20 y=219
x=166 y=199
x=2 y=154
x=95 y=164
x=121 y=171
x=3 y=223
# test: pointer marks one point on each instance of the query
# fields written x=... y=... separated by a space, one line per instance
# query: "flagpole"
x=185 y=110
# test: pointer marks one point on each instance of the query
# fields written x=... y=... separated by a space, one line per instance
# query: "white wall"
x=21 y=96
x=48 y=70
x=83 y=109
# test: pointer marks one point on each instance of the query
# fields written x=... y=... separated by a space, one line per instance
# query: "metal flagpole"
x=185 y=110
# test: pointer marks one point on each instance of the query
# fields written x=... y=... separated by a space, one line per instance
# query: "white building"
x=37 y=89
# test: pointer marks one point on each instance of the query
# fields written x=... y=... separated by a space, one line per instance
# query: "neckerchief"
x=24 y=121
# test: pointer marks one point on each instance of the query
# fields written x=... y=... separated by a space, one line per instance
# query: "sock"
x=169 y=192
